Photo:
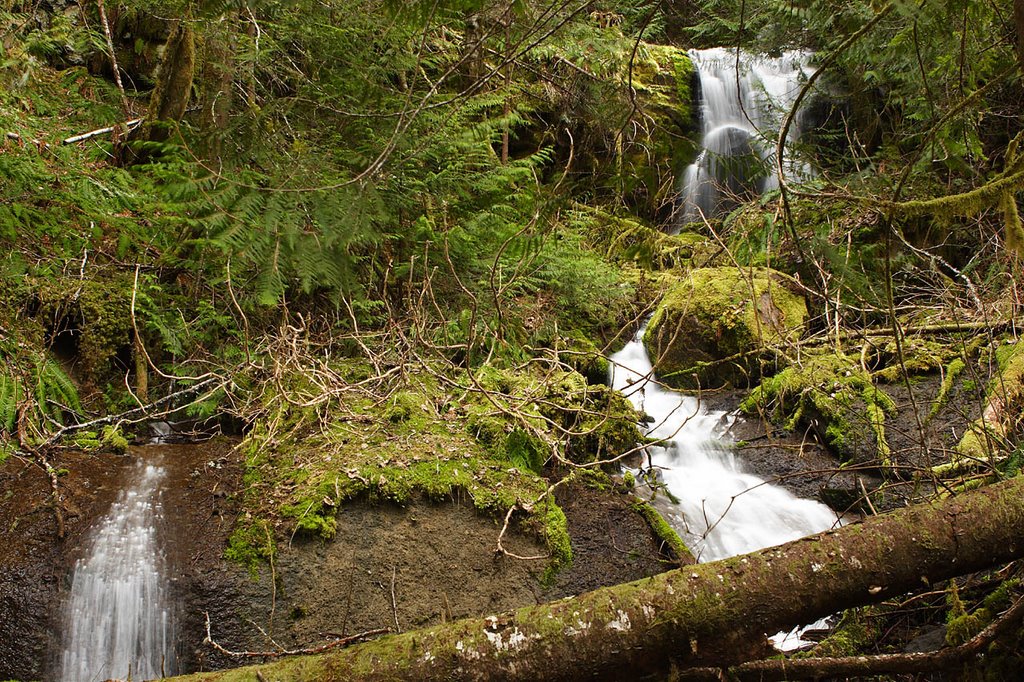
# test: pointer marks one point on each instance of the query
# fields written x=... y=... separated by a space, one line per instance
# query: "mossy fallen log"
x=711 y=614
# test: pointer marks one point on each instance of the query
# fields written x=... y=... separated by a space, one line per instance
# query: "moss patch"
x=832 y=395
x=422 y=440
x=665 y=534
x=724 y=325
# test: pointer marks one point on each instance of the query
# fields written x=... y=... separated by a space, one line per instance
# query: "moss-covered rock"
x=627 y=239
x=664 y=143
x=721 y=326
x=833 y=396
x=919 y=356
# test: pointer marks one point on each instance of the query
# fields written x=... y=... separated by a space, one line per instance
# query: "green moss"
x=111 y=437
x=724 y=325
x=855 y=631
x=95 y=311
x=556 y=535
x=665 y=534
x=831 y=394
x=920 y=356
x=403 y=406
x=986 y=440
x=492 y=461
x=250 y=544
x=629 y=240
x=86 y=440
x=953 y=371
x=582 y=355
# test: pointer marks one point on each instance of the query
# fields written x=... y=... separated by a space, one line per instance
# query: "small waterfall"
x=741 y=109
x=722 y=511
x=118 y=623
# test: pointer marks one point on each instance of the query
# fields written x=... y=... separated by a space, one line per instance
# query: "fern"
x=10 y=391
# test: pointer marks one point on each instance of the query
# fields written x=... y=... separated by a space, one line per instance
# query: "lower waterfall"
x=722 y=510
x=118 y=623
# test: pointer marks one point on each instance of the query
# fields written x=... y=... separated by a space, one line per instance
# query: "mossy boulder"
x=831 y=395
x=724 y=326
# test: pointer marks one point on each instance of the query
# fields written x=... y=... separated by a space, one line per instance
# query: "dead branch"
x=804 y=668
x=82 y=137
x=338 y=643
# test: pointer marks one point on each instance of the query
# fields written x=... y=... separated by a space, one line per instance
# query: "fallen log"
x=701 y=616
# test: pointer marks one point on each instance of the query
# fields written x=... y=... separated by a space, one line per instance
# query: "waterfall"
x=117 y=622
x=722 y=510
x=742 y=104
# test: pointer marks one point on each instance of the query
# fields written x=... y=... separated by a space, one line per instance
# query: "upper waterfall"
x=743 y=100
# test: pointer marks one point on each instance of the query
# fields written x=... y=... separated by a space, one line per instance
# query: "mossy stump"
x=723 y=326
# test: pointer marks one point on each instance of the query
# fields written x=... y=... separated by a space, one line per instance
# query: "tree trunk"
x=170 y=97
x=216 y=90
x=1018 y=25
x=174 y=83
x=704 y=615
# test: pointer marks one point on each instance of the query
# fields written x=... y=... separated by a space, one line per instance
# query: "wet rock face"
x=36 y=565
x=717 y=326
x=35 y=562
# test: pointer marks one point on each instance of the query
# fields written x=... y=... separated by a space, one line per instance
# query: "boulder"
x=723 y=326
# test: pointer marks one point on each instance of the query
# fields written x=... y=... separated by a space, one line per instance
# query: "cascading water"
x=722 y=511
x=118 y=623
x=742 y=103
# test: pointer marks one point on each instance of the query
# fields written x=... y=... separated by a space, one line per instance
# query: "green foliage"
x=36 y=394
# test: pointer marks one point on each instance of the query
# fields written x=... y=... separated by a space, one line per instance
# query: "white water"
x=722 y=510
x=118 y=623
x=741 y=109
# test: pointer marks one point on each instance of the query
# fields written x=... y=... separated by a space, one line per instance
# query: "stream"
x=718 y=509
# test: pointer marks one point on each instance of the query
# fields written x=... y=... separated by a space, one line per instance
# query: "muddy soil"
x=412 y=566
x=401 y=568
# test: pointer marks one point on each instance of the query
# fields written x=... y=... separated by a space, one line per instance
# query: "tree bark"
x=1018 y=26
x=697 y=616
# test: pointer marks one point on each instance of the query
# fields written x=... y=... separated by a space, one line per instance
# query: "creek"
x=721 y=510
x=718 y=509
